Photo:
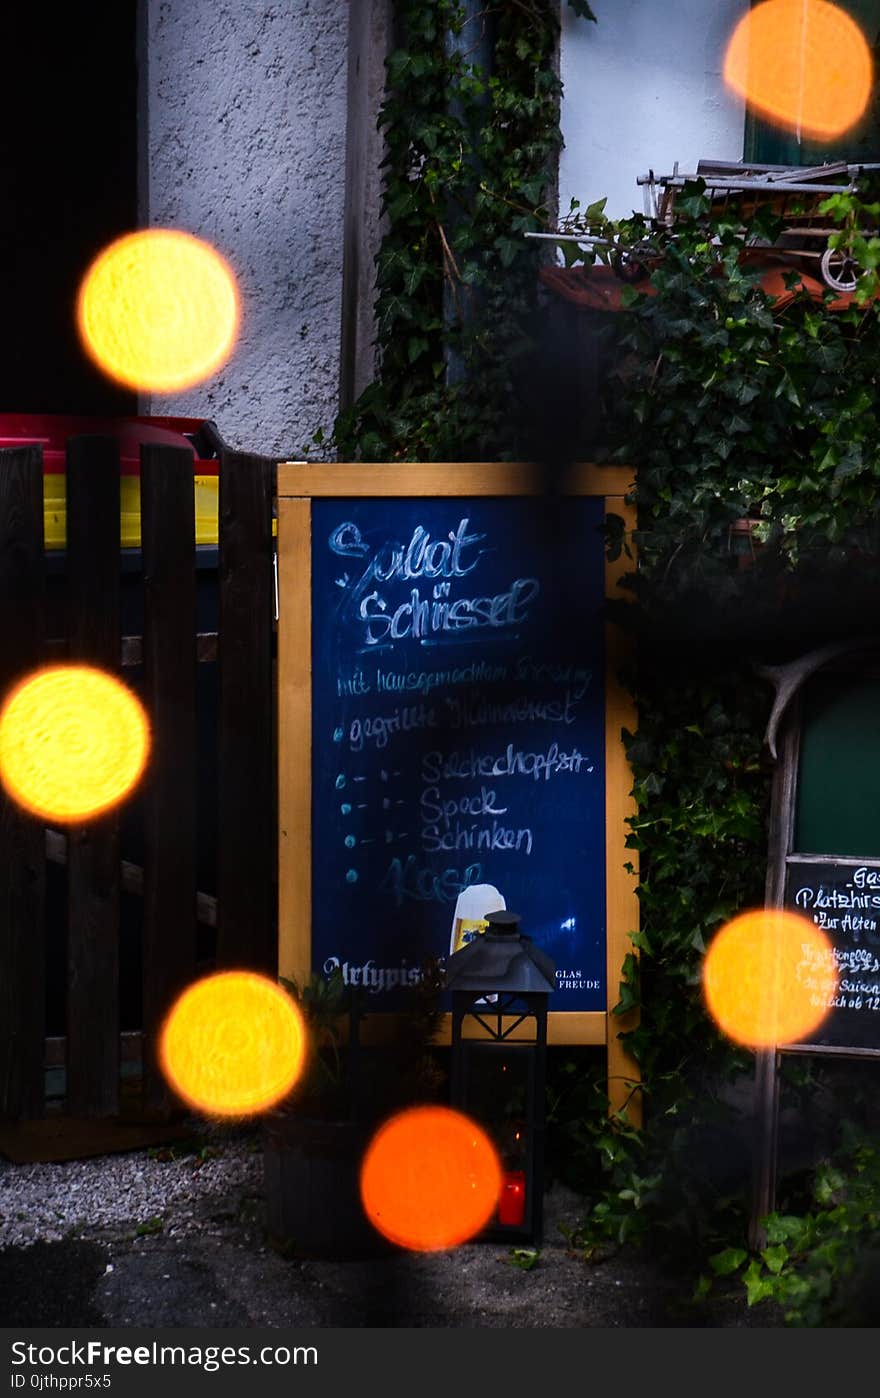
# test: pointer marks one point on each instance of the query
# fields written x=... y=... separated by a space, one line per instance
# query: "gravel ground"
x=148 y=1240
x=112 y=1193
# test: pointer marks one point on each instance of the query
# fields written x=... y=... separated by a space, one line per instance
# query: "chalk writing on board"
x=818 y=900
x=422 y=557
x=420 y=617
x=436 y=616
x=457 y=731
x=425 y=681
x=843 y=899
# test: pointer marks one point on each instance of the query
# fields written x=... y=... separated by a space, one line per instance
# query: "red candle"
x=512 y=1203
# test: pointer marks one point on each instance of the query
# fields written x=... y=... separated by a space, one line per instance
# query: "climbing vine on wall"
x=470 y=168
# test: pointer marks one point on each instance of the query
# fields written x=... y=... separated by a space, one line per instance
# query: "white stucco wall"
x=643 y=89
x=243 y=144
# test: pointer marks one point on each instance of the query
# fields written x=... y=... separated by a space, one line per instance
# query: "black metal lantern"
x=500 y=985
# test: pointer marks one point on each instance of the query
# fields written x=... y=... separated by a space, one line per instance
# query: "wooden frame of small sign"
x=783 y=743
x=299 y=483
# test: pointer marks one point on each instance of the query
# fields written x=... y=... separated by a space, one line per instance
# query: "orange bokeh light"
x=768 y=978
x=158 y=310
x=430 y=1179
x=803 y=64
x=233 y=1044
x=74 y=742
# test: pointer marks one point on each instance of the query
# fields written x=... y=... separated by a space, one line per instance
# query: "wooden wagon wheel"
x=840 y=270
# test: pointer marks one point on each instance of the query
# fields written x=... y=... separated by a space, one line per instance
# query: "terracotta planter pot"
x=311 y=1174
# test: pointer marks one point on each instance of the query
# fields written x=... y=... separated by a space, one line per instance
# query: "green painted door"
x=838 y=793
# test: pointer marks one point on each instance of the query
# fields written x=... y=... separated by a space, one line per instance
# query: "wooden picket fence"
x=169 y=650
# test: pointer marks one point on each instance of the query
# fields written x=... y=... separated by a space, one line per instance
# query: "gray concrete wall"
x=243 y=121
x=643 y=88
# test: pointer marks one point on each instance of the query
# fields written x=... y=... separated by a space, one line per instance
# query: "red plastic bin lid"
x=51 y=431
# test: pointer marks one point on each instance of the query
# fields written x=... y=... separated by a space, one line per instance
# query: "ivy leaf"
x=414 y=278
x=828 y=1182
x=692 y=200
x=784 y=1228
x=508 y=249
x=402 y=205
x=787 y=389
x=524 y=1258
x=571 y=254
x=631 y=296
x=533 y=189
x=747 y=392
x=628 y=988
x=724 y=1263
x=775 y=1258
x=628 y=1000
x=758 y=1287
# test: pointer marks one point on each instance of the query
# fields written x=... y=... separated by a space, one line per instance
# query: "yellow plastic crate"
x=55 y=510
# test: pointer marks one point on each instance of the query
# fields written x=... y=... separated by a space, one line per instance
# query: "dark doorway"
x=68 y=175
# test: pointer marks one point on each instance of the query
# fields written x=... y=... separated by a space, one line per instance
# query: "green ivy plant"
x=470 y=168
x=820 y=1266
x=857 y=237
x=737 y=406
x=732 y=405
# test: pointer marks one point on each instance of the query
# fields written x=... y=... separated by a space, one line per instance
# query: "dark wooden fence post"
x=93 y=848
x=246 y=852
x=246 y=863
x=168 y=538
x=22 y=860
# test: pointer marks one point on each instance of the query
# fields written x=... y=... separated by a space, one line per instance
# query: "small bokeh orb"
x=768 y=978
x=158 y=310
x=804 y=65
x=233 y=1044
x=430 y=1179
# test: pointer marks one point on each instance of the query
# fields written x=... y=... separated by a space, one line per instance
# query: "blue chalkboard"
x=458 y=731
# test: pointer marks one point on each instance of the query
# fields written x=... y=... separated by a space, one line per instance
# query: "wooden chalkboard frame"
x=299 y=483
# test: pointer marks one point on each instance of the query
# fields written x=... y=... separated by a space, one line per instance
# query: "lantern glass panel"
x=499 y=1094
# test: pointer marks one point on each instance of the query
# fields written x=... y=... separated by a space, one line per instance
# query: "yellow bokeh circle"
x=803 y=64
x=430 y=1179
x=158 y=310
x=233 y=1044
x=769 y=977
x=74 y=742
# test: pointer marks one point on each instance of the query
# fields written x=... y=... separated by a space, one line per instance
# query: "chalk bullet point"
x=340 y=781
x=350 y=842
x=345 y=808
x=351 y=876
x=338 y=734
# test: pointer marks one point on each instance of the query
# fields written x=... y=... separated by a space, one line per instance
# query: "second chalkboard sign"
x=842 y=897
x=450 y=727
